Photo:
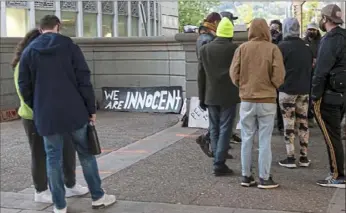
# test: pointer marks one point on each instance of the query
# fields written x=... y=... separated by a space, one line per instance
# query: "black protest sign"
x=143 y=99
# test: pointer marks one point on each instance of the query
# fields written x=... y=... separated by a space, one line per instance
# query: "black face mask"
x=322 y=25
x=311 y=35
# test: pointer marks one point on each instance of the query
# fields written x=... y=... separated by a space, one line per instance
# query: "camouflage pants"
x=294 y=109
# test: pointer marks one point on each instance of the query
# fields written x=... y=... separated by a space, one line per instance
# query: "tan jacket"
x=257 y=67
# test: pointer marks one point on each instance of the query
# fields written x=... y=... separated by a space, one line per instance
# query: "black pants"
x=329 y=119
x=38 y=159
x=280 y=121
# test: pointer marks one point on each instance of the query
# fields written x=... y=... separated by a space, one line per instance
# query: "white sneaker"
x=104 y=201
x=76 y=190
x=43 y=197
x=55 y=210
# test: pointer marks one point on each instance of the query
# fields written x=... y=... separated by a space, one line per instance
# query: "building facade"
x=92 y=18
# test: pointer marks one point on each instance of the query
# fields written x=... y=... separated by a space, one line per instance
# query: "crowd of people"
x=305 y=78
x=276 y=73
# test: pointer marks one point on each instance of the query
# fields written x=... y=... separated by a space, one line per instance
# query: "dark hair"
x=278 y=22
x=212 y=17
x=48 y=22
x=28 y=38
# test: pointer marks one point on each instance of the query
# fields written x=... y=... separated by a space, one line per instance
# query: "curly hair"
x=28 y=38
x=278 y=22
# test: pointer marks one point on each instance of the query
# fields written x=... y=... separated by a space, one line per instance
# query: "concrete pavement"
x=168 y=174
x=115 y=130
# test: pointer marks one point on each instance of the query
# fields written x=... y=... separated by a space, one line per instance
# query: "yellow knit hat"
x=225 y=28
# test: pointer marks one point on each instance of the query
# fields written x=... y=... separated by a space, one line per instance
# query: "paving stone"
x=4 y=210
x=338 y=202
x=12 y=200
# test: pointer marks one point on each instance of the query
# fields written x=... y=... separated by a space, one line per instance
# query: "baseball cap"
x=228 y=15
x=312 y=26
x=333 y=12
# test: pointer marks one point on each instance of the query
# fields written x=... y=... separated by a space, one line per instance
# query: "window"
x=16 y=22
x=134 y=26
x=40 y=14
x=90 y=25
x=69 y=23
x=122 y=26
x=107 y=25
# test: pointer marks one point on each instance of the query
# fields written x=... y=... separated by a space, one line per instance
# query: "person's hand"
x=93 y=118
x=203 y=105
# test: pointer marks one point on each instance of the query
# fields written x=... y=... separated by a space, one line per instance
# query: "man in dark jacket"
x=312 y=39
x=276 y=33
x=54 y=80
x=328 y=91
x=217 y=92
x=294 y=92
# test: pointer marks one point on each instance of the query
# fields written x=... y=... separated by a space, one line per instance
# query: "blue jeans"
x=257 y=117
x=220 y=125
x=54 y=146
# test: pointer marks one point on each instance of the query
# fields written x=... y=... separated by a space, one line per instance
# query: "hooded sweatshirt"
x=257 y=67
x=54 y=81
x=298 y=59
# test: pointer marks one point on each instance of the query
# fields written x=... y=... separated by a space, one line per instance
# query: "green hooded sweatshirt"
x=24 y=110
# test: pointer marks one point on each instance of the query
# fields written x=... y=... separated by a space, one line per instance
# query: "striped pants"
x=329 y=119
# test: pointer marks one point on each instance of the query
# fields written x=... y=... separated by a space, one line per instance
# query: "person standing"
x=276 y=33
x=54 y=81
x=207 y=33
x=294 y=92
x=217 y=92
x=258 y=70
x=328 y=91
x=38 y=155
x=312 y=39
x=235 y=138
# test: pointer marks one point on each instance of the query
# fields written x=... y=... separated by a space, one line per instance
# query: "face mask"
x=311 y=35
x=322 y=25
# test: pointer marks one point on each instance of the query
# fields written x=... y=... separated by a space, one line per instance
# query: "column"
x=3 y=18
x=99 y=19
x=160 y=19
x=80 y=19
x=58 y=9
x=148 y=18
x=115 y=19
x=140 y=21
x=31 y=9
x=129 y=19
x=155 y=19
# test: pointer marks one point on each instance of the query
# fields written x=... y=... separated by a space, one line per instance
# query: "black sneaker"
x=204 y=143
x=223 y=171
x=289 y=162
x=248 y=181
x=228 y=156
x=267 y=184
x=304 y=162
x=235 y=139
x=335 y=183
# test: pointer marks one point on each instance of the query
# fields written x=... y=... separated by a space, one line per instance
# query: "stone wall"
x=123 y=62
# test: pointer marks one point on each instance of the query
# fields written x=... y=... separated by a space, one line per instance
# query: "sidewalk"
x=168 y=173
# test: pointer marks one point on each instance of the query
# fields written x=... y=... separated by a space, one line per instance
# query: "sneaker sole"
x=75 y=195
x=104 y=206
x=304 y=164
x=249 y=184
x=340 y=186
x=291 y=166
x=268 y=187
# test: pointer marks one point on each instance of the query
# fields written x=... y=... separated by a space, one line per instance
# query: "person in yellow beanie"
x=218 y=93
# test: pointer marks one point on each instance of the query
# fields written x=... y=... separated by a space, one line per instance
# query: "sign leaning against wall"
x=143 y=99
